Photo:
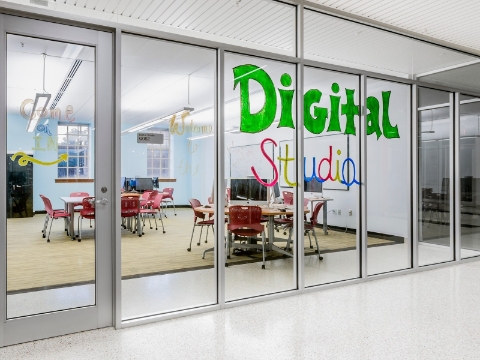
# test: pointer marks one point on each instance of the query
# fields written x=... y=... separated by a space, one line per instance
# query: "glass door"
x=57 y=208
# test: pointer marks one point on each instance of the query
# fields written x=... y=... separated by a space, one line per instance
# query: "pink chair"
x=130 y=208
x=145 y=198
x=169 y=199
x=309 y=226
x=245 y=223
x=87 y=212
x=198 y=215
x=51 y=214
x=154 y=209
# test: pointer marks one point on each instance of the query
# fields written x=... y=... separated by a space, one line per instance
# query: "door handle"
x=102 y=201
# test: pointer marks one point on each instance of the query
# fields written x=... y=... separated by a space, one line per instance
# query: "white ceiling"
x=452 y=21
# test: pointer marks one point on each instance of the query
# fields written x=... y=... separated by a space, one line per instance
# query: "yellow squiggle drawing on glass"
x=25 y=159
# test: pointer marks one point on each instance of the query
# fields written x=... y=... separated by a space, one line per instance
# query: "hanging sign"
x=149 y=138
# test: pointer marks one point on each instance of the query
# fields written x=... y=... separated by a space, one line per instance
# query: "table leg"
x=325 y=211
x=71 y=207
x=139 y=225
x=271 y=232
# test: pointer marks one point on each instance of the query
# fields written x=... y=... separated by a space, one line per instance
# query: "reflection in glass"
x=253 y=84
x=159 y=274
x=46 y=269
x=469 y=176
x=434 y=131
x=330 y=140
x=388 y=178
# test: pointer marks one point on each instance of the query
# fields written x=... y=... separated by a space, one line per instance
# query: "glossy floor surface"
x=432 y=314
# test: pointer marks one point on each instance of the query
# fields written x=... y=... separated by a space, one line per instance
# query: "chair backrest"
x=316 y=210
x=79 y=194
x=245 y=215
x=170 y=193
x=157 y=200
x=48 y=205
x=210 y=200
x=196 y=214
x=130 y=206
x=288 y=198
x=88 y=204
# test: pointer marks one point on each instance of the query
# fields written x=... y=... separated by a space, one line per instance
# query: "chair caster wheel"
x=228 y=257
x=143 y=233
x=320 y=258
x=175 y=214
x=198 y=244
x=139 y=235
x=164 y=231
x=311 y=247
x=48 y=240
x=206 y=241
x=43 y=236
x=91 y=227
x=284 y=233
x=189 y=249
x=79 y=240
x=263 y=267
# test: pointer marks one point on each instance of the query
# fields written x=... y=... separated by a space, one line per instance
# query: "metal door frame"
x=62 y=322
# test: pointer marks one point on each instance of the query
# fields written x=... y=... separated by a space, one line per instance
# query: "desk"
x=325 y=210
x=69 y=207
x=266 y=211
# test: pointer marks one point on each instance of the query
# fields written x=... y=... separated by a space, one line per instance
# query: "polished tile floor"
x=433 y=314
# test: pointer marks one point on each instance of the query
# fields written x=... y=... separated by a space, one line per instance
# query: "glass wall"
x=435 y=127
x=167 y=143
x=388 y=176
x=331 y=178
x=469 y=169
x=259 y=123
x=50 y=171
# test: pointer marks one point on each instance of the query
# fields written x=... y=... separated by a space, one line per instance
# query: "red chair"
x=130 y=208
x=169 y=199
x=287 y=219
x=198 y=215
x=145 y=198
x=245 y=223
x=51 y=214
x=309 y=226
x=154 y=209
x=87 y=212
x=78 y=194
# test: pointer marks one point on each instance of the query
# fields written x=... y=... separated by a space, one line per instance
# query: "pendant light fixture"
x=40 y=104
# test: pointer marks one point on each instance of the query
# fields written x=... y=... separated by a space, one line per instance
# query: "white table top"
x=319 y=199
x=75 y=199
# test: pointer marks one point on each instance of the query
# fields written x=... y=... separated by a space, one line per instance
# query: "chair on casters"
x=309 y=226
x=194 y=203
x=154 y=209
x=130 y=208
x=51 y=214
x=75 y=206
x=169 y=199
x=288 y=219
x=87 y=212
x=245 y=223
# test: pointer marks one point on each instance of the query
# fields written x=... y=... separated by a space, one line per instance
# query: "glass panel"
x=434 y=131
x=331 y=176
x=252 y=194
x=470 y=176
x=388 y=176
x=50 y=272
x=158 y=279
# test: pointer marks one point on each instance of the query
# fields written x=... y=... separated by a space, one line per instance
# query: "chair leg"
x=45 y=224
x=309 y=239
x=48 y=238
x=160 y=217
x=78 y=227
x=229 y=239
x=174 y=211
x=155 y=218
x=149 y=223
x=263 y=249
x=191 y=238
x=289 y=238
x=318 y=247
x=200 y=238
x=206 y=236
x=80 y=219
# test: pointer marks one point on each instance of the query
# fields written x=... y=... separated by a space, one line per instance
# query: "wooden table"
x=266 y=211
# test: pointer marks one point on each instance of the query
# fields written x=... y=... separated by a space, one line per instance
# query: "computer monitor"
x=122 y=183
x=248 y=190
x=313 y=186
x=276 y=190
x=143 y=184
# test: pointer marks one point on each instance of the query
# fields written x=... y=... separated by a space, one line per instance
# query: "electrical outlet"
x=339 y=212
x=350 y=212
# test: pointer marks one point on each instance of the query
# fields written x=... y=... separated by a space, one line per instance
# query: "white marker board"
x=242 y=158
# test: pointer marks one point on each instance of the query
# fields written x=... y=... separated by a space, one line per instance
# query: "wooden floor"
x=32 y=263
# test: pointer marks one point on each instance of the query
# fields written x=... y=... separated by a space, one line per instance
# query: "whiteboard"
x=319 y=147
x=242 y=158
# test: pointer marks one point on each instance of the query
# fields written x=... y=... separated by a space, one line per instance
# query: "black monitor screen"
x=313 y=186
x=248 y=189
x=143 y=184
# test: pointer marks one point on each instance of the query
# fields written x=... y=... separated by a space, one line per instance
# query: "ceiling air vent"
x=66 y=82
